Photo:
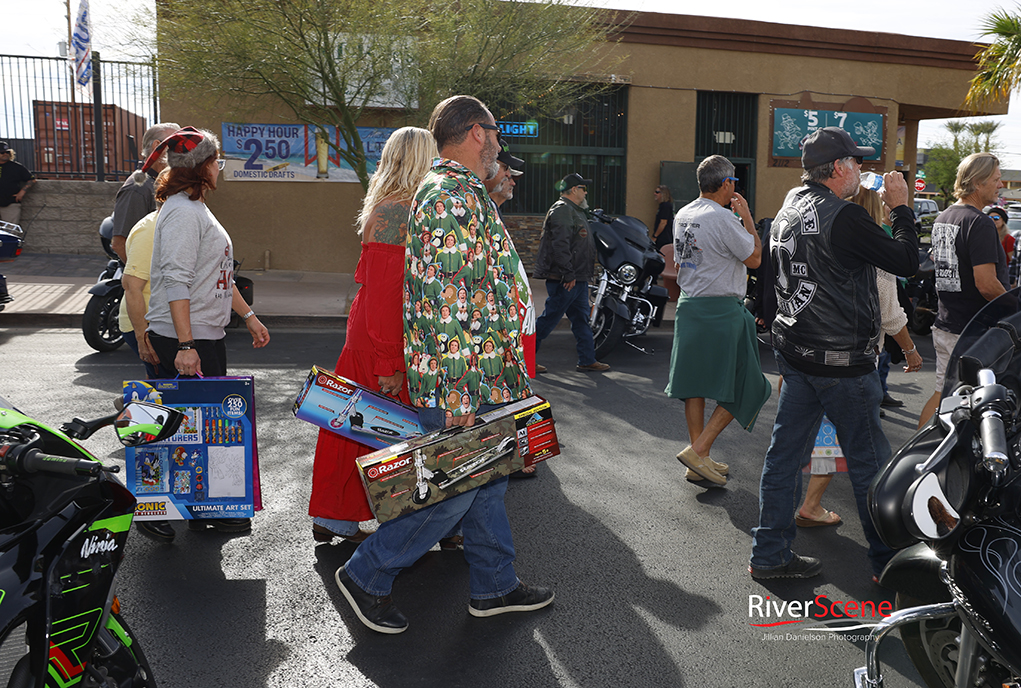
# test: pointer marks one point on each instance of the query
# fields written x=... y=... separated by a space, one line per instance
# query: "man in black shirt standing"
x=825 y=251
x=15 y=181
x=971 y=267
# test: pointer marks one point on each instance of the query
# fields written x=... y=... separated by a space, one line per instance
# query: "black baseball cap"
x=829 y=144
x=572 y=180
x=4 y=148
x=506 y=158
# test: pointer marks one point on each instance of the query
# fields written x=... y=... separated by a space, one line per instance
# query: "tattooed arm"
x=388 y=223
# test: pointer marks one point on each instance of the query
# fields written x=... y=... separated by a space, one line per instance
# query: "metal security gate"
x=589 y=138
x=727 y=124
x=52 y=125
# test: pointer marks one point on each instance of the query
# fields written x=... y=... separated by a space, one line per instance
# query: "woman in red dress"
x=373 y=353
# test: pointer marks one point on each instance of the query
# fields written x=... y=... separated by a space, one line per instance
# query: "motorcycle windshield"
x=1001 y=307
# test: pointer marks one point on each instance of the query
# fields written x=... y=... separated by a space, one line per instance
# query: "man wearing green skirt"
x=715 y=353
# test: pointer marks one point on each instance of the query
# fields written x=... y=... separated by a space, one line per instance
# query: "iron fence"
x=61 y=131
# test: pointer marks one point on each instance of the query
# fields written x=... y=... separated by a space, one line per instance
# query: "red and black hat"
x=187 y=147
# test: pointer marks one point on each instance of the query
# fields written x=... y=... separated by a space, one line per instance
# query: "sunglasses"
x=730 y=179
x=491 y=127
x=859 y=159
x=220 y=163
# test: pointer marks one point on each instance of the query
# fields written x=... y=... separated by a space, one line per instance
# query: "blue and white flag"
x=81 y=39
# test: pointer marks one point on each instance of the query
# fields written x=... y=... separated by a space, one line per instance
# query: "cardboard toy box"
x=209 y=468
x=430 y=468
x=349 y=409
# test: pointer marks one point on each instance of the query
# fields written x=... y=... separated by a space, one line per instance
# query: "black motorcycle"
x=101 y=321
x=625 y=300
x=951 y=497
x=64 y=523
x=921 y=290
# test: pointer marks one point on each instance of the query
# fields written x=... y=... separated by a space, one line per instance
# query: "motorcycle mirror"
x=143 y=423
x=929 y=513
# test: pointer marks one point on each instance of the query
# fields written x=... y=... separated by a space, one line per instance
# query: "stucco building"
x=690 y=87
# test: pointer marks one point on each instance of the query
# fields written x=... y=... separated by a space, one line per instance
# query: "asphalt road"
x=650 y=572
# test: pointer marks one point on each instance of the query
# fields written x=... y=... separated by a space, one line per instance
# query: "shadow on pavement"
x=600 y=631
x=171 y=586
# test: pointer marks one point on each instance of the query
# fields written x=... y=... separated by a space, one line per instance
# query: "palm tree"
x=956 y=127
x=983 y=131
x=999 y=65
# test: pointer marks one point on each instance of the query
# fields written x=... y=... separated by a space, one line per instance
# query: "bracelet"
x=247 y=315
x=910 y=351
x=186 y=346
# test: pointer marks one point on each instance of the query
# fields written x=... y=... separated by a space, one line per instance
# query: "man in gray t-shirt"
x=711 y=247
x=714 y=354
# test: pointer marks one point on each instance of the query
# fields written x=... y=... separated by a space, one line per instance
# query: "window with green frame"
x=590 y=138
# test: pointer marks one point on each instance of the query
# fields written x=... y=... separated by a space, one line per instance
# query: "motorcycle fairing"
x=81 y=577
x=986 y=570
x=890 y=487
x=915 y=571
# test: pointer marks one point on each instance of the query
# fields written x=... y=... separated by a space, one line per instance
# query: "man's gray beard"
x=584 y=204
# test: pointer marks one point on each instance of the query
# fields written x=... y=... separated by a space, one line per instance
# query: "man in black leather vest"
x=825 y=252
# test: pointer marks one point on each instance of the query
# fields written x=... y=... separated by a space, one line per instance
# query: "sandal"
x=828 y=518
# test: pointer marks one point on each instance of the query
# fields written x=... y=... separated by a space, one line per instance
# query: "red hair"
x=174 y=180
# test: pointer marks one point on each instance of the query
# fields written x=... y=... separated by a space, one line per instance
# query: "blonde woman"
x=373 y=353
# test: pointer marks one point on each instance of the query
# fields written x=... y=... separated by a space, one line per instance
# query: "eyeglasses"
x=730 y=179
x=491 y=127
x=220 y=163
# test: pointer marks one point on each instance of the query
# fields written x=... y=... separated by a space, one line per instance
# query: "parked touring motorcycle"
x=64 y=522
x=625 y=300
x=952 y=498
x=101 y=321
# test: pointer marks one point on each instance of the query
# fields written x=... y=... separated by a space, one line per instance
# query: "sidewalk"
x=52 y=290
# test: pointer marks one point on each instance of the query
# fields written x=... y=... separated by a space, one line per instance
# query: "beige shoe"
x=700 y=466
x=721 y=468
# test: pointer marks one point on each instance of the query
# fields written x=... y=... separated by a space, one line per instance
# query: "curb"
x=74 y=321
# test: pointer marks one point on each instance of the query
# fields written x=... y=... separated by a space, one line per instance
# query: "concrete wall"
x=64 y=216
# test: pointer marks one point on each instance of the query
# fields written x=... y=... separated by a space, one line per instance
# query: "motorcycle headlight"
x=627 y=273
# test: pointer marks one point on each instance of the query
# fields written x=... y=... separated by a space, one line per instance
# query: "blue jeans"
x=488 y=544
x=884 y=370
x=852 y=404
x=573 y=303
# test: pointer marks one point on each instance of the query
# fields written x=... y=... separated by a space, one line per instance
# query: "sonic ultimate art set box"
x=349 y=409
x=430 y=468
x=209 y=468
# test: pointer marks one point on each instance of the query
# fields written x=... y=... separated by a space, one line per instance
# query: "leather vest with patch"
x=825 y=314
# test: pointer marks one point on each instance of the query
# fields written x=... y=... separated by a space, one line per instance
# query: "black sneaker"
x=521 y=599
x=890 y=402
x=378 y=613
x=157 y=530
x=797 y=567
